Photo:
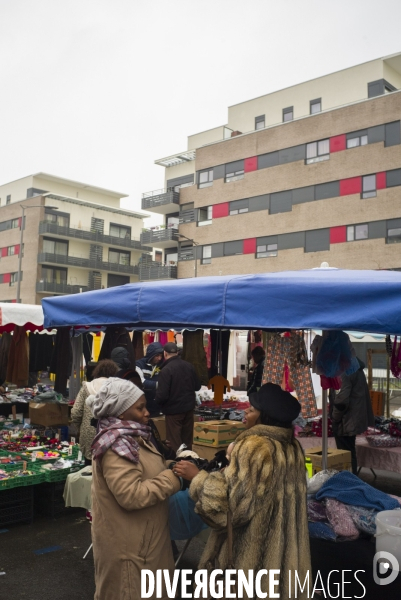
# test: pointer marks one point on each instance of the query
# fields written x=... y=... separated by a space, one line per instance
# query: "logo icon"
x=385 y=568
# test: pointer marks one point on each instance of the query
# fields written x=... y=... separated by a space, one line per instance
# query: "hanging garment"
x=75 y=375
x=281 y=350
x=219 y=385
x=18 y=359
x=232 y=354
x=87 y=341
x=208 y=349
x=215 y=336
x=61 y=360
x=4 y=353
x=171 y=336
x=40 y=351
x=194 y=353
x=395 y=363
x=137 y=342
x=163 y=337
x=114 y=338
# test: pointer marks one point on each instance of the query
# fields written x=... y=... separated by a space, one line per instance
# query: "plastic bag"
x=364 y=518
x=316 y=511
x=336 y=355
x=340 y=519
x=184 y=522
x=316 y=482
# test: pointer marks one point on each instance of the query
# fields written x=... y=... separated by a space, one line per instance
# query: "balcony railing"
x=154 y=272
x=187 y=216
x=186 y=254
x=153 y=236
x=91 y=236
x=151 y=200
x=86 y=263
x=59 y=288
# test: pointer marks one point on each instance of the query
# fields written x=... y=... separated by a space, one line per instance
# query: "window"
x=171 y=259
x=158 y=256
x=14 y=223
x=234 y=176
x=55 y=247
x=233 y=248
x=14 y=278
x=260 y=122
x=205 y=215
x=266 y=250
x=360 y=140
x=11 y=250
x=206 y=255
x=205 y=178
x=119 y=257
x=315 y=106
x=120 y=231
x=173 y=222
x=8 y=199
x=288 y=114
x=53 y=216
x=357 y=232
x=394 y=236
x=54 y=275
x=317 y=151
x=239 y=206
x=369 y=186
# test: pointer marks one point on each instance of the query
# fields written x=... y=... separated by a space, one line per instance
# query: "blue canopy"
x=314 y=299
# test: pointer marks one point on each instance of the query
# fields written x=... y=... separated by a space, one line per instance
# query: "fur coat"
x=265 y=488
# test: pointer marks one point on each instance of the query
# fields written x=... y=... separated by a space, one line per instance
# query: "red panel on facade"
x=251 y=164
x=338 y=143
x=19 y=222
x=250 y=246
x=6 y=277
x=13 y=301
x=220 y=210
x=16 y=249
x=338 y=235
x=380 y=181
x=353 y=185
x=4 y=252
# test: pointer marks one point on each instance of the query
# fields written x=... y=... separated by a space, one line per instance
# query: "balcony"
x=46 y=227
x=157 y=271
x=161 y=238
x=86 y=263
x=186 y=254
x=187 y=216
x=161 y=201
x=52 y=287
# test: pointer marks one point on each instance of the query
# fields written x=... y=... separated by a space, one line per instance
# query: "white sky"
x=96 y=90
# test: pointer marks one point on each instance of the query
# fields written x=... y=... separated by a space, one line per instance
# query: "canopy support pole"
x=324 y=430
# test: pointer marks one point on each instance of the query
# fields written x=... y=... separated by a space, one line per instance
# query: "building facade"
x=304 y=175
x=75 y=238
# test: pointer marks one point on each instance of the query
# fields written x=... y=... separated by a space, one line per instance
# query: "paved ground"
x=59 y=572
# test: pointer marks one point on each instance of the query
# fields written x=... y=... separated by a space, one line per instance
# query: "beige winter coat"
x=81 y=415
x=265 y=488
x=130 y=529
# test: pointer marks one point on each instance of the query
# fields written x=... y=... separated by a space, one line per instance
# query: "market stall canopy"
x=29 y=316
x=367 y=301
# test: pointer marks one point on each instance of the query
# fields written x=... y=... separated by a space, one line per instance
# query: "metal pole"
x=388 y=388
x=196 y=260
x=324 y=429
x=20 y=256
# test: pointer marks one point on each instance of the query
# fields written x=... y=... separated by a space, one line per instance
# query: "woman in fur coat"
x=264 y=487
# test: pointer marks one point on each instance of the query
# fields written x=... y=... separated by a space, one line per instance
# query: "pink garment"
x=333 y=383
x=340 y=519
x=163 y=337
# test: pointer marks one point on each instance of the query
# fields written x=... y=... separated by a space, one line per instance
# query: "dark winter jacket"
x=177 y=385
x=256 y=379
x=352 y=408
x=149 y=375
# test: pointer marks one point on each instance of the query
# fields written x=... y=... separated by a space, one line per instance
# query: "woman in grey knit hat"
x=130 y=490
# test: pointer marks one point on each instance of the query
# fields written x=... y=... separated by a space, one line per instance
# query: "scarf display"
x=120 y=437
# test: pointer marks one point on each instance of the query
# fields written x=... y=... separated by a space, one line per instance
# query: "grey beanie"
x=113 y=398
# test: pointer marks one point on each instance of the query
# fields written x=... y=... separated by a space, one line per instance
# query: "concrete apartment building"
x=76 y=238
x=303 y=175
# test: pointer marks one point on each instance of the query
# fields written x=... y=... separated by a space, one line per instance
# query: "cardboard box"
x=218 y=434
x=205 y=451
x=340 y=460
x=48 y=414
x=160 y=423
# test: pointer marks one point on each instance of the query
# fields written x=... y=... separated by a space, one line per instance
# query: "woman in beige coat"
x=130 y=490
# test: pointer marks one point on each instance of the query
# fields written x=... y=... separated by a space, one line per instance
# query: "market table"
x=314 y=442
x=385 y=459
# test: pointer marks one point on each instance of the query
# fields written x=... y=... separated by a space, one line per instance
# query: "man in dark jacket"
x=352 y=412
x=149 y=369
x=258 y=356
x=175 y=395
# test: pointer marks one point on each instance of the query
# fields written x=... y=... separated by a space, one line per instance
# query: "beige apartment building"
x=75 y=238
x=303 y=175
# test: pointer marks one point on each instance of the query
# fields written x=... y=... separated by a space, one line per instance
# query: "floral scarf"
x=120 y=437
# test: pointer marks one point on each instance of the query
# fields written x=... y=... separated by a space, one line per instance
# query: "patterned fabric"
x=120 y=437
x=340 y=519
x=290 y=350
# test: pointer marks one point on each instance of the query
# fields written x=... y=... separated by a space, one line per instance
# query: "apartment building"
x=303 y=175
x=75 y=238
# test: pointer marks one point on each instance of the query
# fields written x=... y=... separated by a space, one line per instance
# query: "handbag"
x=230 y=563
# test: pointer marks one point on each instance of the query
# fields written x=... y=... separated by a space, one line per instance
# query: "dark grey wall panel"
x=237 y=165
x=268 y=160
x=269 y=239
x=218 y=250
x=393 y=177
x=231 y=248
x=317 y=240
x=327 y=190
x=393 y=134
x=377 y=229
x=393 y=223
x=281 y=202
x=305 y=194
x=180 y=180
x=259 y=203
x=376 y=134
x=355 y=134
x=291 y=240
x=376 y=88
x=219 y=172
x=238 y=204
x=291 y=154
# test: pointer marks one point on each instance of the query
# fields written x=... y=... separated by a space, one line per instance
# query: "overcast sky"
x=96 y=90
